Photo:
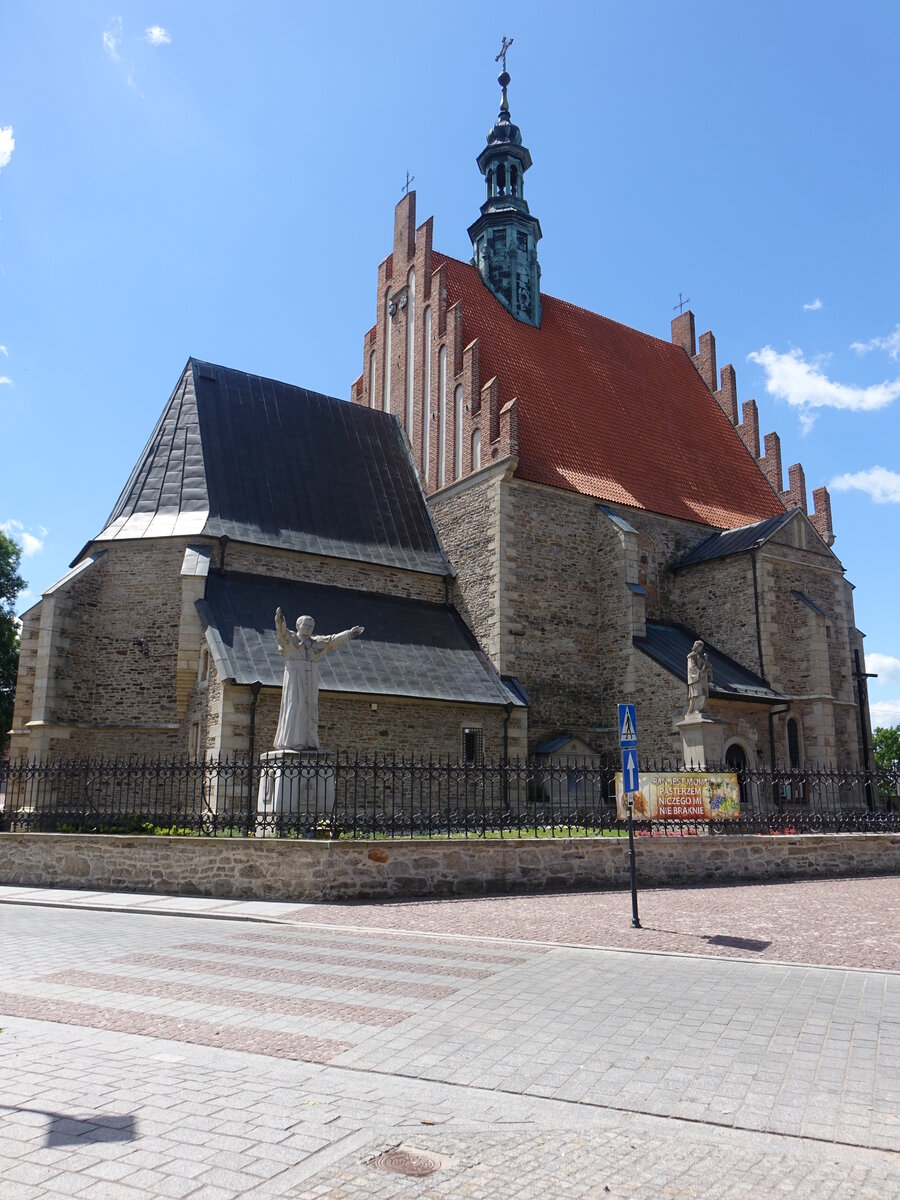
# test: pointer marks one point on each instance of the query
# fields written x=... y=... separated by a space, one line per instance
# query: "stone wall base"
x=343 y=870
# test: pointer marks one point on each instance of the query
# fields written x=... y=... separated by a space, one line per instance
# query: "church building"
x=533 y=510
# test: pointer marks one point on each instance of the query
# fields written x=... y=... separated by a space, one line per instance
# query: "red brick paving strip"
x=338 y=960
x=826 y=922
x=174 y=1029
x=343 y=983
x=228 y=998
x=449 y=952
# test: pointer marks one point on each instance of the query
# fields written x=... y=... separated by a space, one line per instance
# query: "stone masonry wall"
x=311 y=568
x=468 y=522
x=417 y=728
x=273 y=869
x=568 y=619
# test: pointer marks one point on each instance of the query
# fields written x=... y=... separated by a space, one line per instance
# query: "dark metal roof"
x=277 y=465
x=552 y=744
x=669 y=645
x=409 y=648
x=734 y=541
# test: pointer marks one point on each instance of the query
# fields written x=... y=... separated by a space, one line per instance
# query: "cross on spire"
x=682 y=301
x=409 y=179
x=507 y=42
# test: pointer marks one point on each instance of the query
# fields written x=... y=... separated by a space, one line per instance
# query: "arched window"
x=476 y=449
x=501 y=180
x=410 y=351
x=793 y=741
x=426 y=393
x=490 y=184
x=372 y=380
x=442 y=415
x=457 y=432
x=387 y=350
x=514 y=181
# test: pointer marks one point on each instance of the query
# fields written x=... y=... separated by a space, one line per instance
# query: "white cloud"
x=878 y=482
x=112 y=37
x=157 y=36
x=813 y=306
x=885 y=713
x=30 y=544
x=891 y=344
x=805 y=386
x=885 y=666
x=4 y=351
x=5 y=379
x=7 y=144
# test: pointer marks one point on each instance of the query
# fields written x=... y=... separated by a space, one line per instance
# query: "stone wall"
x=350 y=723
x=312 y=870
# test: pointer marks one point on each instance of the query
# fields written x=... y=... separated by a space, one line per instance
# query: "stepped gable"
x=610 y=412
x=268 y=463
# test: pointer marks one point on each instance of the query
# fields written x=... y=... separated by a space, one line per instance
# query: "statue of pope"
x=298 y=720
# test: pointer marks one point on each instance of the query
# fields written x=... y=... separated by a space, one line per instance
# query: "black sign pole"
x=635 y=919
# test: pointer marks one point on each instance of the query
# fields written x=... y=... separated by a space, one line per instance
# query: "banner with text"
x=678 y=796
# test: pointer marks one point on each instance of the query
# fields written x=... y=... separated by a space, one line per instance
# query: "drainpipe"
x=756 y=611
x=504 y=788
x=251 y=753
x=862 y=700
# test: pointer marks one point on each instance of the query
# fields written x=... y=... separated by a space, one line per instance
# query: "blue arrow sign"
x=627 y=726
x=629 y=771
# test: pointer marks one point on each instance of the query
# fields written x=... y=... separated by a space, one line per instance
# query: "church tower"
x=505 y=236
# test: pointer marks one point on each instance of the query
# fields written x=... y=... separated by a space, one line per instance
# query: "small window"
x=194 y=745
x=522 y=240
x=793 y=740
x=203 y=669
x=473 y=746
x=476 y=449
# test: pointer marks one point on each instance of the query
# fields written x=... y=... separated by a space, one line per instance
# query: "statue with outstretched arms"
x=298 y=719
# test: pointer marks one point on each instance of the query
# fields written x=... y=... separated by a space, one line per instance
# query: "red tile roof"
x=610 y=412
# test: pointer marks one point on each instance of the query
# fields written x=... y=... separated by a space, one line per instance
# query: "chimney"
x=821 y=516
x=683 y=332
x=795 y=496
x=770 y=463
x=727 y=394
x=749 y=427
x=705 y=361
x=404 y=233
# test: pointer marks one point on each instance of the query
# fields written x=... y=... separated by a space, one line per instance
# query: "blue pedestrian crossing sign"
x=627 y=727
x=629 y=771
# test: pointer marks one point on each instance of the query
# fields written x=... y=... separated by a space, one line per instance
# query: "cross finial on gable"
x=507 y=42
x=409 y=179
x=682 y=301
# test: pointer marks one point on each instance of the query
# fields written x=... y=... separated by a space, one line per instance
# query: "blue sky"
x=218 y=179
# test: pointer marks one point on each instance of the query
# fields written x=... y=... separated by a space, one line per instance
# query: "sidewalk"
x=309 y=1054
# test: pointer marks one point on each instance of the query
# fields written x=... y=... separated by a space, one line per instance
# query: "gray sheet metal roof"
x=669 y=645
x=409 y=648
x=269 y=463
x=734 y=541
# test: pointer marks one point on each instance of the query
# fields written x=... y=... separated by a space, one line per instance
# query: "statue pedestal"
x=702 y=741
x=296 y=788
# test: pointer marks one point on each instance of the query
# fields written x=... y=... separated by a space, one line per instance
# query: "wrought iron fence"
x=384 y=796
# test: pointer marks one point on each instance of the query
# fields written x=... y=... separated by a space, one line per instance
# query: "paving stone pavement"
x=146 y=1056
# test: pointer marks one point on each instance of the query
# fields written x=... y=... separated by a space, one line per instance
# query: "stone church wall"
x=409 y=728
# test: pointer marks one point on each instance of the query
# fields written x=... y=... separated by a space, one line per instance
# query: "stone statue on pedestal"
x=699 y=677
x=298 y=719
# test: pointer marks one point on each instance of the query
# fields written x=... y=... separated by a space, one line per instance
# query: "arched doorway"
x=736 y=760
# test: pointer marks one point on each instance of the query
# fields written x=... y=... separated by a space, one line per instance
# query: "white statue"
x=298 y=720
x=699 y=677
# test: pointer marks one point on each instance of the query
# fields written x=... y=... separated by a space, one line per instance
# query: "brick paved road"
x=169 y=1056
x=835 y=922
